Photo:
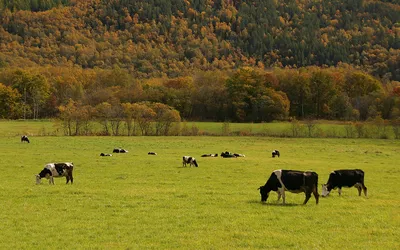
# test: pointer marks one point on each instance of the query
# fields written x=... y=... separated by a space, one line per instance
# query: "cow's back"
x=310 y=179
x=292 y=179
x=347 y=177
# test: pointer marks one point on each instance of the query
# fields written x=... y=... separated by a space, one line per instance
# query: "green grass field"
x=322 y=129
x=137 y=201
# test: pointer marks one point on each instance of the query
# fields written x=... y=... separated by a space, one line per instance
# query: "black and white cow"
x=227 y=154
x=24 y=138
x=345 y=178
x=209 y=155
x=189 y=160
x=152 y=153
x=120 y=150
x=103 y=154
x=275 y=153
x=51 y=170
x=293 y=181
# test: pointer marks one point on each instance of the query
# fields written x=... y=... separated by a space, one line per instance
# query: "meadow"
x=297 y=129
x=138 y=201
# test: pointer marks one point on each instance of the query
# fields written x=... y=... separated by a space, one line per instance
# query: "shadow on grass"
x=275 y=204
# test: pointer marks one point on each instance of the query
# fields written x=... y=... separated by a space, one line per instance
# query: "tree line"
x=247 y=94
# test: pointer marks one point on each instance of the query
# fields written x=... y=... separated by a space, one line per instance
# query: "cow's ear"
x=259 y=188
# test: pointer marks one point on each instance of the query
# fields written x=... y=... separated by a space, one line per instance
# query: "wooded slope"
x=154 y=38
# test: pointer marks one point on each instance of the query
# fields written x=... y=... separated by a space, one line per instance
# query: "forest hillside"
x=268 y=59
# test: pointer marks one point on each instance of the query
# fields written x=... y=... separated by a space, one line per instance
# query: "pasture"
x=140 y=201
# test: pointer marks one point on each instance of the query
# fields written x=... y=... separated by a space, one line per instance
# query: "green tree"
x=34 y=89
x=322 y=90
x=104 y=115
x=164 y=118
x=9 y=98
x=143 y=115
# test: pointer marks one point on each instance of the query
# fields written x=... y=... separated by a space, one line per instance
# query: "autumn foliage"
x=154 y=62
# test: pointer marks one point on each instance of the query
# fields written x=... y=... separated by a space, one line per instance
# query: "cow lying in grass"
x=293 y=181
x=209 y=155
x=227 y=154
x=120 y=150
x=52 y=170
x=103 y=154
x=152 y=153
x=189 y=160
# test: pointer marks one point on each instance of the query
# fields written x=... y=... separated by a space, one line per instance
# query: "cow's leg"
x=340 y=191
x=308 y=196
x=70 y=177
x=316 y=195
x=51 y=180
x=358 y=186
x=67 y=177
x=282 y=192
x=279 y=195
x=364 y=189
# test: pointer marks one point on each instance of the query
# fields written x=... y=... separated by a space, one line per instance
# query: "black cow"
x=275 y=153
x=152 y=153
x=293 y=181
x=345 y=178
x=24 y=138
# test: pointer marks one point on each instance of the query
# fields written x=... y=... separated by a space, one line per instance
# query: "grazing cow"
x=345 y=178
x=51 y=170
x=292 y=181
x=103 y=154
x=24 y=138
x=120 y=150
x=210 y=155
x=239 y=155
x=275 y=153
x=189 y=160
x=227 y=154
x=152 y=153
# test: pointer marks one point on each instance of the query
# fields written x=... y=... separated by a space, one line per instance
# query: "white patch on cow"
x=53 y=169
x=281 y=190
x=325 y=191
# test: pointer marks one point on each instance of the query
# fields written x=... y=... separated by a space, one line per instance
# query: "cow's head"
x=325 y=191
x=264 y=193
x=37 y=179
